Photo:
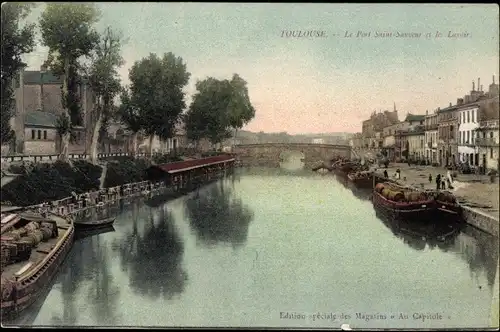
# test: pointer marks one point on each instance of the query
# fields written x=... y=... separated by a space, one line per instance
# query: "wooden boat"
x=447 y=205
x=89 y=232
x=404 y=203
x=33 y=247
x=361 y=179
x=106 y=222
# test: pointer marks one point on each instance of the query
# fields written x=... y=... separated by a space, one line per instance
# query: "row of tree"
x=153 y=104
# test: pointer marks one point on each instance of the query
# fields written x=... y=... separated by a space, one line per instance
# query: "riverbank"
x=477 y=195
x=118 y=173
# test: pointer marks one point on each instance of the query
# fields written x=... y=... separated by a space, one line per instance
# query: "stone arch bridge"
x=270 y=154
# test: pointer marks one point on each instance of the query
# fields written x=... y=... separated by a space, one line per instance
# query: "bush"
x=49 y=182
x=166 y=158
x=126 y=171
x=212 y=153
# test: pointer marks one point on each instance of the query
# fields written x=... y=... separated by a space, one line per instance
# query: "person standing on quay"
x=438 y=181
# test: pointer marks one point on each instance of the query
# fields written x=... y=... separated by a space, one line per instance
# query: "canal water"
x=271 y=248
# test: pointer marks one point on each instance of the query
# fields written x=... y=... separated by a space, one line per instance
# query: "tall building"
x=431 y=137
x=468 y=124
x=38 y=105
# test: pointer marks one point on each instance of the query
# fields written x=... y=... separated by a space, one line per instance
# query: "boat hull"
x=89 y=232
x=26 y=292
x=449 y=210
x=415 y=212
x=96 y=224
x=362 y=182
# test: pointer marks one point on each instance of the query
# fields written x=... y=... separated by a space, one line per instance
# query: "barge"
x=33 y=247
x=404 y=203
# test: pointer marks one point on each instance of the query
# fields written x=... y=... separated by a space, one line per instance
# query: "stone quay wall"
x=481 y=220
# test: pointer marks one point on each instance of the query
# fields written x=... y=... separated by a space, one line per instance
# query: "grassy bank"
x=48 y=182
x=128 y=170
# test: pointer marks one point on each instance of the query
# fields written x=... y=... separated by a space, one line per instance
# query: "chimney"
x=473 y=86
x=426 y=112
x=479 y=84
x=450 y=103
x=460 y=101
x=493 y=79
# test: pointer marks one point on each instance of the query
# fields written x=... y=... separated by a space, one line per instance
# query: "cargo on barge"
x=33 y=247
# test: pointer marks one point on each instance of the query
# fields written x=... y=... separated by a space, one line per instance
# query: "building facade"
x=37 y=107
x=447 y=135
x=414 y=143
x=392 y=139
x=468 y=124
x=487 y=143
x=431 y=137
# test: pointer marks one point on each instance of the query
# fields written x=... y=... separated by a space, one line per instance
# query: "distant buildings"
x=466 y=132
x=318 y=141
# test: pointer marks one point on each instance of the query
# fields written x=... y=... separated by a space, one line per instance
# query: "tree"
x=16 y=41
x=218 y=107
x=156 y=91
x=241 y=110
x=104 y=81
x=67 y=30
x=130 y=115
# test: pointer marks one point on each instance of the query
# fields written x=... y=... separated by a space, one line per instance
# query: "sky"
x=319 y=84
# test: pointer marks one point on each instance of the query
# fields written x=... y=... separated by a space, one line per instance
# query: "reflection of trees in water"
x=480 y=251
x=88 y=262
x=418 y=236
x=153 y=257
x=217 y=217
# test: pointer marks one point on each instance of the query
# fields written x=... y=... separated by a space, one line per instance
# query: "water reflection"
x=480 y=251
x=217 y=216
x=418 y=236
x=292 y=160
x=89 y=265
x=152 y=257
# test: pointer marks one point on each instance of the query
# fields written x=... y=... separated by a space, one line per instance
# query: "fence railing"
x=71 y=156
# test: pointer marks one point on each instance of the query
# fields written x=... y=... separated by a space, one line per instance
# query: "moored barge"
x=404 y=203
x=447 y=205
x=33 y=247
x=362 y=180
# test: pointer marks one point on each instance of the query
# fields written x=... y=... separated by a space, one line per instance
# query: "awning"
x=187 y=165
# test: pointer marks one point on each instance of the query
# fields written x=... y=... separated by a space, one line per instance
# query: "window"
x=45 y=134
x=39 y=134
x=468 y=116
x=491 y=152
x=484 y=134
x=491 y=134
x=472 y=116
x=468 y=137
x=451 y=131
x=32 y=134
x=78 y=136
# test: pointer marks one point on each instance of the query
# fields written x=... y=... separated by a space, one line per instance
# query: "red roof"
x=191 y=164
